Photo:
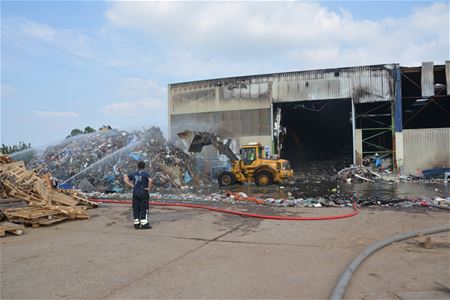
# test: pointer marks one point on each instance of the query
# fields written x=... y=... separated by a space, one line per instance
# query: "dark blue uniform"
x=140 y=195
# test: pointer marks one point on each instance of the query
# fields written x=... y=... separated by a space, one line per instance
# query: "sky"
x=72 y=64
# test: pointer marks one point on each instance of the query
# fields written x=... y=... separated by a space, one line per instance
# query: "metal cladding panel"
x=447 y=76
x=363 y=84
x=427 y=80
x=236 y=96
x=253 y=122
x=426 y=149
x=265 y=140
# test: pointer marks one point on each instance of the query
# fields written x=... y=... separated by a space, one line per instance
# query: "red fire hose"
x=243 y=214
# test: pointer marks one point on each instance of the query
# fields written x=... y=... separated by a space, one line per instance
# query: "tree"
x=14 y=148
x=89 y=129
x=75 y=132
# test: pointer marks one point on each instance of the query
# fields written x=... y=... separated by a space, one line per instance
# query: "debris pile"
x=314 y=171
x=98 y=161
x=359 y=173
x=44 y=204
x=442 y=202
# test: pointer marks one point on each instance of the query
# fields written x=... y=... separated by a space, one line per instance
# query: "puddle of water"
x=365 y=189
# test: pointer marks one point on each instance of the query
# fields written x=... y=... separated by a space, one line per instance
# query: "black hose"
x=339 y=290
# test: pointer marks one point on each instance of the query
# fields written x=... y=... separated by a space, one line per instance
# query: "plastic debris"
x=103 y=158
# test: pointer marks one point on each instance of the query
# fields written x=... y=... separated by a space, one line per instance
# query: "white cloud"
x=39 y=38
x=138 y=88
x=282 y=35
x=143 y=98
x=7 y=90
x=148 y=107
x=55 y=114
x=36 y=30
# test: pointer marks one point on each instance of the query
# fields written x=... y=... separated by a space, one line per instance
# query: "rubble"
x=99 y=160
x=359 y=172
x=45 y=205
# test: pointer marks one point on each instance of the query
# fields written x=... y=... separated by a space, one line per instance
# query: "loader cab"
x=251 y=152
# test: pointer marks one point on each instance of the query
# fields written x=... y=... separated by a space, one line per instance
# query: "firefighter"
x=141 y=183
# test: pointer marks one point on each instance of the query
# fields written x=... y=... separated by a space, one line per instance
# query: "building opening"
x=420 y=111
x=315 y=133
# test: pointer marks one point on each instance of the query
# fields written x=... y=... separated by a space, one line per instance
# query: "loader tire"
x=227 y=179
x=263 y=178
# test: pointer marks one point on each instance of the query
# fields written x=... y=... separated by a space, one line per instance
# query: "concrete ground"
x=201 y=254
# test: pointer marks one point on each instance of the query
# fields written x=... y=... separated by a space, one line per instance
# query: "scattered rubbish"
x=359 y=172
x=435 y=173
x=86 y=186
x=425 y=242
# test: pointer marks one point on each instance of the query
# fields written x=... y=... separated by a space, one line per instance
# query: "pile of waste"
x=313 y=171
x=359 y=173
x=336 y=199
x=99 y=160
x=44 y=205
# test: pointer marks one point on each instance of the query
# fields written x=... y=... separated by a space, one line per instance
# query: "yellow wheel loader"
x=252 y=167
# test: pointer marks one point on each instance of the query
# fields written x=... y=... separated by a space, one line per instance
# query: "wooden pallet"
x=34 y=216
x=29 y=213
x=12 y=165
x=20 y=174
x=12 y=203
x=45 y=205
x=13 y=228
x=63 y=198
x=78 y=195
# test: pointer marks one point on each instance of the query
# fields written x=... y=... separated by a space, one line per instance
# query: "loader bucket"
x=195 y=140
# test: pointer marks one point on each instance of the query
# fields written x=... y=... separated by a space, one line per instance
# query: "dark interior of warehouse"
x=375 y=121
x=424 y=112
x=316 y=131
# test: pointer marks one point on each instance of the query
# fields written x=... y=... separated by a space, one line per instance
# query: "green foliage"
x=89 y=129
x=74 y=132
x=14 y=148
x=77 y=131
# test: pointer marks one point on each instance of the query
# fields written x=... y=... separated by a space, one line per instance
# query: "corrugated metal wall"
x=265 y=140
x=363 y=84
x=197 y=102
x=197 y=99
x=447 y=76
x=426 y=149
x=427 y=79
x=235 y=123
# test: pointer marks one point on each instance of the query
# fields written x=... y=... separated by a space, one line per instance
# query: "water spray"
x=121 y=150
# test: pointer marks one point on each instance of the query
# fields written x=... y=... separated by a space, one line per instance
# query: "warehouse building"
x=398 y=114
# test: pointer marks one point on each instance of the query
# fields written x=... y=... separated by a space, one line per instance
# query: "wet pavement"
x=194 y=254
x=381 y=190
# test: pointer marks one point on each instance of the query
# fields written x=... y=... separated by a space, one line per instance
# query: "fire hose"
x=339 y=290
x=239 y=213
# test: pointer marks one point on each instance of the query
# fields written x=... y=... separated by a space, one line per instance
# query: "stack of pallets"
x=45 y=205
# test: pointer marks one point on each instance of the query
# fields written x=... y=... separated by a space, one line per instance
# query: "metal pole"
x=353 y=131
x=272 y=144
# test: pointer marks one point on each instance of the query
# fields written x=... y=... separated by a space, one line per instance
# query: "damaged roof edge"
x=290 y=73
x=419 y=68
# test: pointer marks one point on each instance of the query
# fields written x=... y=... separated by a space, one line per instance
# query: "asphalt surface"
x=201 y=254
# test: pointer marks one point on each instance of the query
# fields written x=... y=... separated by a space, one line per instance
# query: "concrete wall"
x=426 y=149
